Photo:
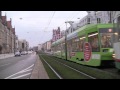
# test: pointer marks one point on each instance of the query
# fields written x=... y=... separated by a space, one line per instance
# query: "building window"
x=67 y=32
x=98 y=20
x=74 y=29
x=71 y=30
x=88 y=20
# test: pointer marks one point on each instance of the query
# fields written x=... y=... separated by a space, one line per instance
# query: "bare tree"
x=110 y=16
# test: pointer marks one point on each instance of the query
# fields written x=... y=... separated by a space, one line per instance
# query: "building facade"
x=7 y=35
x=49 y=45
x=23 y=45
x=16 y=43
x=56 y=34
x=93 y=17
x=39 y=47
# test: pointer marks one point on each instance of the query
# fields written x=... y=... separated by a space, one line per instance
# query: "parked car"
x=23 y=53
x=17 y=53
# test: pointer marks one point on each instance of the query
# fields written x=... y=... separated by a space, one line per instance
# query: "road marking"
x=29 y=67
x=21 y=76
x=5 y=64
x=76 y=70
x=52 y=68
x=24 y=70
x=18 y=73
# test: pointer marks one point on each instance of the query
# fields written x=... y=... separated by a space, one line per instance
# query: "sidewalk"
x=4 y=56
x=39 y=70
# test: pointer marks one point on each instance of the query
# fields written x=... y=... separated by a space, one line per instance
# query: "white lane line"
x=52 y=68
x=5 y=64
x=76 y=70
x=26 y=70
x=20 y=71
x=29 y=67
x=21 y=76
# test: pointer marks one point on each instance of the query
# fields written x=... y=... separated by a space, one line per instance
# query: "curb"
x=39 y=71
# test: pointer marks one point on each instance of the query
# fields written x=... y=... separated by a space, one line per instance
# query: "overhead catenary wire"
x=50 y=20
x=42 y=36
x=69 y=19
x=62 y=23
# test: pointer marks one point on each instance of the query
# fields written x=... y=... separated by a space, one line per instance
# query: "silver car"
x=17 y=53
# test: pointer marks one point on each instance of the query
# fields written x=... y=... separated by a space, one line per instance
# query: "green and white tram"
x=116 y=55
x=89 y=45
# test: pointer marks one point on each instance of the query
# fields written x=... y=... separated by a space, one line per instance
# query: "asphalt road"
x=17 y=67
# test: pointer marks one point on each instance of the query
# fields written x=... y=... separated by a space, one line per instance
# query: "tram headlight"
x=113 y=55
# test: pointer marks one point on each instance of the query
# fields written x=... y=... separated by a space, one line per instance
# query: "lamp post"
x=14 y=43
x=66 y=41
x=70 y=22
x=110 y=16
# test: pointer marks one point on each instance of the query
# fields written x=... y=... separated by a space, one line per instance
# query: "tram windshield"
x=106 y=36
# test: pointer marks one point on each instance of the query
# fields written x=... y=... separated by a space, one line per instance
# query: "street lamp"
x=110 y=17
x=70 y=22
x=66 y=41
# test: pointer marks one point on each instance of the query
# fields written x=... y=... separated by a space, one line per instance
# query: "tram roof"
x=58 y=41
x=75 y=33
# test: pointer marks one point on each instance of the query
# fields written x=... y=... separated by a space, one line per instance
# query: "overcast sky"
x=36 y=26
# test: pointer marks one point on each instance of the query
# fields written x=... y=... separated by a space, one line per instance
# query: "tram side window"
x=81 y=43
x=63 y=47
x=56 y=48
x=59 y=47
x=75 y=45
x=69 y=46
x=94 y=41
x=53 y=48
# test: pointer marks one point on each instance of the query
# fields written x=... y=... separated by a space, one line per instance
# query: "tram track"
x=98 y=73
x=66 y=66
x=52 y=68
x=111 y=70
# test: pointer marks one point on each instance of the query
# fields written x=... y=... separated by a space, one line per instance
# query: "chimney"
x=4 y=20
x=10 y=23
x=58 y=28
x=10 y=20
x=14 y=29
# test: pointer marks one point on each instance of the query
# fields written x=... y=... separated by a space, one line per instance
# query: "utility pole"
x=66 y=42
x=110 y=16
x=14 y=43
x=70 y=22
